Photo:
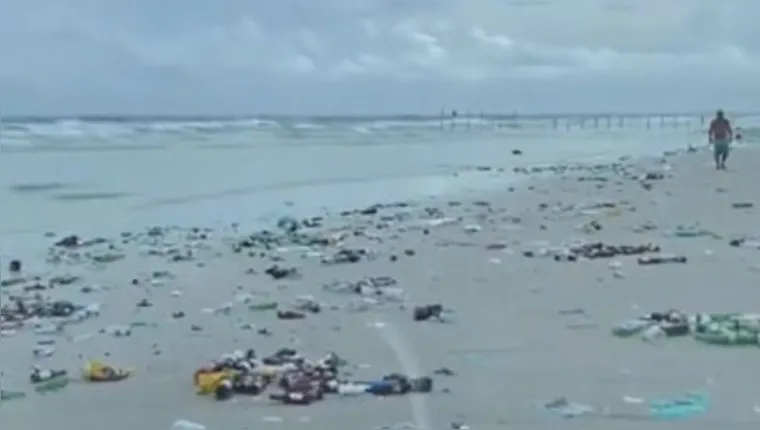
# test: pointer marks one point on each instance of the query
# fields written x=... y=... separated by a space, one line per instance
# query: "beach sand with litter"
x=525 y=330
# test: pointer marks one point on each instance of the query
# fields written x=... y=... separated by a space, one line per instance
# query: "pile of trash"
x=728 y=329
x=291 y=379
x=290 y=234
x=368 y=291
x=596 y=250
x=22 y=312
x=45 y=381
x=593 y=251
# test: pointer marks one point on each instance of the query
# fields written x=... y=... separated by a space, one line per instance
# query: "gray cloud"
x=345 y=56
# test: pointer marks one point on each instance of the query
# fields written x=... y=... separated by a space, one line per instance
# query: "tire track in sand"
x=410 y=366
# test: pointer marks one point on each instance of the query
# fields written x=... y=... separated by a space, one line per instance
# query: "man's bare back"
x=720 y=129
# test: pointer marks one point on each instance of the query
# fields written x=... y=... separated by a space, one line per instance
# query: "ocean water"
x=101 y=175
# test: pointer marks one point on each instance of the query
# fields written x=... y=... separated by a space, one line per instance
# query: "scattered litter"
x=593 y=251
x=273 y=277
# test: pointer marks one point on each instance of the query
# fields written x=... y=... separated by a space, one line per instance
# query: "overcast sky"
x=377 y=56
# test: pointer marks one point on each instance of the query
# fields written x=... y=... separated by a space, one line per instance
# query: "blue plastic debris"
x=679 y=408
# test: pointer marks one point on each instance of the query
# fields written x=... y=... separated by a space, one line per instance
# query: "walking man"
x=720 y=136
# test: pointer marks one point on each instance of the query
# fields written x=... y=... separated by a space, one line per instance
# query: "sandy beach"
x=524 y=329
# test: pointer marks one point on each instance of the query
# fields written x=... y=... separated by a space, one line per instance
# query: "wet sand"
x=525 y=330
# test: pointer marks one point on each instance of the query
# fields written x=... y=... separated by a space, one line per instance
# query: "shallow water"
x=74 y=175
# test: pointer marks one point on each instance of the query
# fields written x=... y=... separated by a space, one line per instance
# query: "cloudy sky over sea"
x=376 y=56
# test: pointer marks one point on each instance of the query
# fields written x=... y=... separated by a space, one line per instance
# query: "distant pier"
x=465 y=120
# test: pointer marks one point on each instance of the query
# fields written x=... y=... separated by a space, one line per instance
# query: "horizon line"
x=442 y=114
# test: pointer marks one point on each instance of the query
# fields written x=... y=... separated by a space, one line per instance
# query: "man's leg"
x=717 y=154
x=724 y=156
x=720 y=149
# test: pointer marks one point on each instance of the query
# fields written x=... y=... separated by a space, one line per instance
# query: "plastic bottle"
x=359 y=305
x=48 y=329
x=118 y=331
x=447 y=315
x=653 y=333
x=40 y=375
x=644 y=261
x=381 y=388
x=77 y=317
x=340 y=288
x=11 y=395
x=632 y=327
x=51 y=385
x=264 y=306
x=89 y=311
x=43 y=352
x=748 y=321
x=684 y=407
x=187 y=425
x=43 y=375
x=352 y=389
x=392 y=294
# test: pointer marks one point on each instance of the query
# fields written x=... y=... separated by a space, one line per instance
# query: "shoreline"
x=508 y=319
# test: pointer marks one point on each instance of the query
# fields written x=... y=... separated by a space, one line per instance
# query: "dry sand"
x=511 y=344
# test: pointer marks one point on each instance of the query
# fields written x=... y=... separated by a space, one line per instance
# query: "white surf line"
x=410 y=366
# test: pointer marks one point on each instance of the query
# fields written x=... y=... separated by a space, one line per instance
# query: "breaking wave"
x=90 y=133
